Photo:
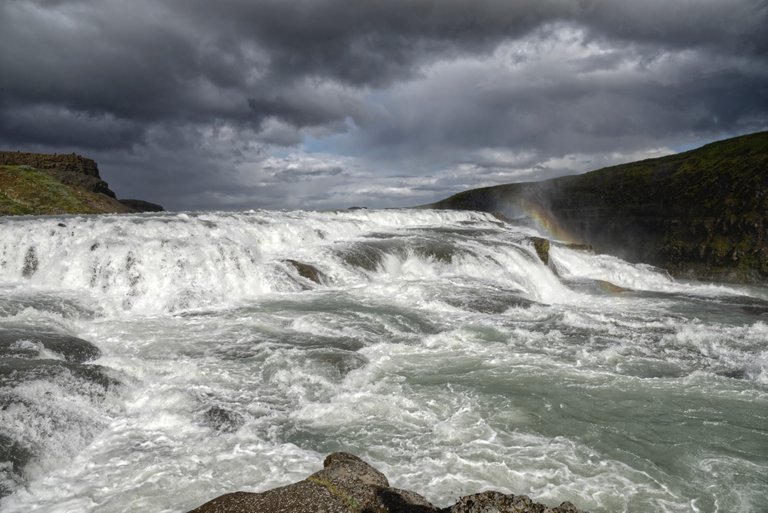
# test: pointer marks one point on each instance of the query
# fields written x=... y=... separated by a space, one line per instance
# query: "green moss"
x=352 y=504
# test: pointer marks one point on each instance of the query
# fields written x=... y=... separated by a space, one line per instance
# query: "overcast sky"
x=239 y=104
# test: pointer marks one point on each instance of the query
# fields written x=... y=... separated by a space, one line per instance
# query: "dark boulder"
x=542 y=248
x=223 y=420
x=495 y=502
x=347 y=484
x=307 y=271
x=26 y=343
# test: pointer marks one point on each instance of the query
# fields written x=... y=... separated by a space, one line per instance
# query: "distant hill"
x=36 y=183
x=699 y=214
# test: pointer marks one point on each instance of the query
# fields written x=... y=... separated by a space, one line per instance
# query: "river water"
x=152 y=362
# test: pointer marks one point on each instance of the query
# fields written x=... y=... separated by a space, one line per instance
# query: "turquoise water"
x=152 y=362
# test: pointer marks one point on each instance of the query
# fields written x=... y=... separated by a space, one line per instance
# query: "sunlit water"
x=437 y=346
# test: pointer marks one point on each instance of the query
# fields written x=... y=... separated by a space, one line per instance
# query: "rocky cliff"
x=36 y=183
x=347 y=484
x=699 y=214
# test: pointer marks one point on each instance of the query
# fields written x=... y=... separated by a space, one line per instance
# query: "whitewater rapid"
x=152 y=362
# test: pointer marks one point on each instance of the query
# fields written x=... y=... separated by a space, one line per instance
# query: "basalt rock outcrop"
x=141 y=206
x=699 y=214
x=37 y=183
x=70 y=169
x=347 y=484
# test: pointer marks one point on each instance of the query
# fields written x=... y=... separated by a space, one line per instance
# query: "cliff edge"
x=700 y=214
x=37 y=183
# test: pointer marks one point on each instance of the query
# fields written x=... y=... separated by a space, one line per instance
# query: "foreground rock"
x=699 y=214
x=349 y=485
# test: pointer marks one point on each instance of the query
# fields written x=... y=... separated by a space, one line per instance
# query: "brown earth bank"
x=701 y=214
x=347 y=484
x=37 y=183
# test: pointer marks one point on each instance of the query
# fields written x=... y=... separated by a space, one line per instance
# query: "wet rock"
x=30 y=263
x=22 y=343
x=491 y=302
x=733 y=373
x=14 y=371
x=347 y=484
x=495 y=502
x=222 y=419
x=307 y=271
x=542 y=248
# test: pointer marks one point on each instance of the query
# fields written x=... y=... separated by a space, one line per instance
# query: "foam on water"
x=437 y=346
x=582 y=264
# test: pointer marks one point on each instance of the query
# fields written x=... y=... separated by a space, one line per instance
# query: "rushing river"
x=152 y=362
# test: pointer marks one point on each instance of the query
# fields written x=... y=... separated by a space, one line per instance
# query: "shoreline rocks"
x=347 y=484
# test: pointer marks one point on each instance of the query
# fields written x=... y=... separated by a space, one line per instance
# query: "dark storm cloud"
x=57 y=126
x=569 y=105
x=419 y=97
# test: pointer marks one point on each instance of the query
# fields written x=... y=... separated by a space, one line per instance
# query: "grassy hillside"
x=26 y=190
x=702 y=213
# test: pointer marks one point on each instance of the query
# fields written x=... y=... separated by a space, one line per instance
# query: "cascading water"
x=151 y=362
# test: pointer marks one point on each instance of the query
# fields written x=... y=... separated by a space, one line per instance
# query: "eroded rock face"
x=700 y=214
x=71 y=162
x=347 y=484
x=70 y=169
x=79 y=173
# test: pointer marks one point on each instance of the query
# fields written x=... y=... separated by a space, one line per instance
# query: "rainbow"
x=544 y=220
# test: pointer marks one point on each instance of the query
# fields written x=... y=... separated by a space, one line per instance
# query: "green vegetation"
x=25 y=190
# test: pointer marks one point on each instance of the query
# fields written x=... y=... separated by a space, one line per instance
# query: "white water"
x=438 y=347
